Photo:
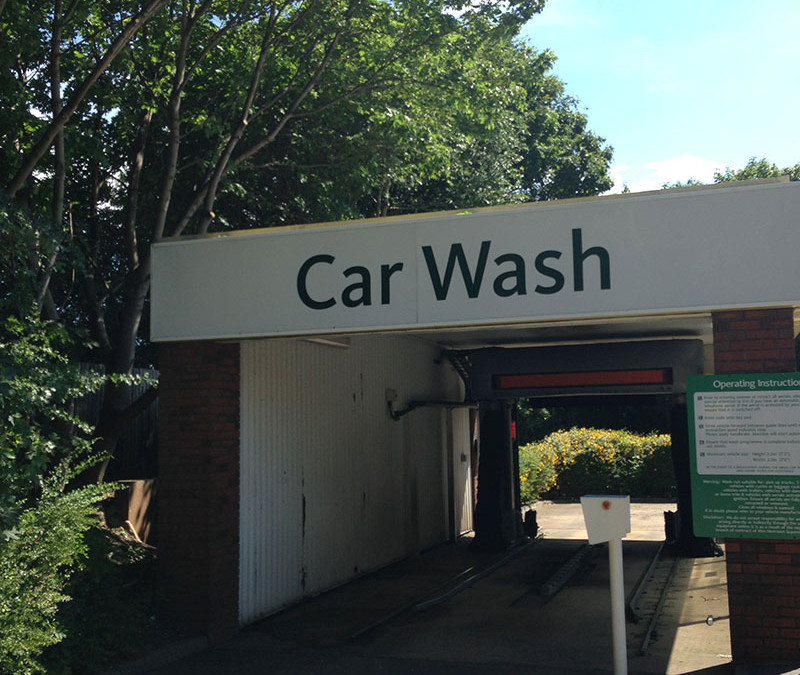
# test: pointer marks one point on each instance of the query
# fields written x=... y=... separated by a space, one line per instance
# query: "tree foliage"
x=755 y=169
x=36 y=565
x=124 y=125
x=567 y=464
x=41 y=437
x=43 y=446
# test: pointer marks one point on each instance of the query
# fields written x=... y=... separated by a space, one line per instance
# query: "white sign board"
x=639 y=254
x=740 y=433
x=606 y=517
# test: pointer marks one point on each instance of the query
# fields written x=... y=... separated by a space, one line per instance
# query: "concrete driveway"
x=452 y=610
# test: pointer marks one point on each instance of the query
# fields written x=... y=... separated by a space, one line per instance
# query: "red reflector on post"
x=584 y=379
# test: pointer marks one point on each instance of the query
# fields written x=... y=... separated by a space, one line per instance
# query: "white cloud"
x=653 y=175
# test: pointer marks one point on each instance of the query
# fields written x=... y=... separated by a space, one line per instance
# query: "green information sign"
x=744 y=440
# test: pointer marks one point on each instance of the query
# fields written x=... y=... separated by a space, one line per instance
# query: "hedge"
x=568 y=464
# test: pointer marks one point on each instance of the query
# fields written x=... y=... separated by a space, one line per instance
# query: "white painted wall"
x=331 y=486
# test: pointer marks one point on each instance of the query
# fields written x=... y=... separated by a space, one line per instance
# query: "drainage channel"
x=561 y=577
x=647 y=600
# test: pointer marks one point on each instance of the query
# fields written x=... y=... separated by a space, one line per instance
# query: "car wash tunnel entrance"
x=635 y=372
x=320 y=385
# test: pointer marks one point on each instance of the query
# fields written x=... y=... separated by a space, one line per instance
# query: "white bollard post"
x=608 y=519
x=618 y=607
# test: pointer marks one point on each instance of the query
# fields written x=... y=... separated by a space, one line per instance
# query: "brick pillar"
x=198 y=553
x=763 y=575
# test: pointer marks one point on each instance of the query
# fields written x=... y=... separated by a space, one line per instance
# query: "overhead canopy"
x=619 y=267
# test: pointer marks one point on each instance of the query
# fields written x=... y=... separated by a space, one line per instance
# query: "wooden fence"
x=136 y=455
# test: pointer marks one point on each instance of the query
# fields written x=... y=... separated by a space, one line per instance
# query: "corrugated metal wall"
x=462 y=474
x=331 y=486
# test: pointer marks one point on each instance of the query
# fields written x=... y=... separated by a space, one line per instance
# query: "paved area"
x=565 y=521
x=682 y=606
x=452 y=610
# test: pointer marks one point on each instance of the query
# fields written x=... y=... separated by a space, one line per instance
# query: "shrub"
x=537 y=473
x=109 y=617
x=36 y=562
x=43 y=520
x=568 y=464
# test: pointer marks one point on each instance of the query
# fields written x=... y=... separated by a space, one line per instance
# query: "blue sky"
x=682 y=88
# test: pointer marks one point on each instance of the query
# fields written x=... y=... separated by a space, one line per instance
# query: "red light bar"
x=584 y=379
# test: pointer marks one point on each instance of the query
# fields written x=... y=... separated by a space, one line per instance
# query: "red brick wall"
x=763 y=575
x=764 y=599
x=754 y=341
x=198 y=553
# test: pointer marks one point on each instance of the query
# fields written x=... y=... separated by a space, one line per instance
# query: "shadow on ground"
x=440 y=613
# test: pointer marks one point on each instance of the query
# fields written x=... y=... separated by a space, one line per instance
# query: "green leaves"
x=43 y=446
x=219 y=116
x=40 y=434
x=568 y=464
x=36 y=561
x=755 y=169
x=472 y=119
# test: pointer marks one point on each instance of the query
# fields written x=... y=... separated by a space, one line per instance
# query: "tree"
x=478 y=123
x=754 y=169
x=757 y=168
x=124 y=128
x=521 y=138
x=562 y=158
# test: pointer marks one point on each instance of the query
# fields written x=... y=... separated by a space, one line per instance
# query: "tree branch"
x=183 y=74
x=238 y=133
x=134 y=179
x=38 y=151
x=289 y=114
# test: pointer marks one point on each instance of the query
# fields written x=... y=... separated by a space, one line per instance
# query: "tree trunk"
x=116 y=401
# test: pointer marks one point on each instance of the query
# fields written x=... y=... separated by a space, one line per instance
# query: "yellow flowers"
x=567 y=464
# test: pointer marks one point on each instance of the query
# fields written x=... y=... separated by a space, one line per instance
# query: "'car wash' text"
x=511 y=275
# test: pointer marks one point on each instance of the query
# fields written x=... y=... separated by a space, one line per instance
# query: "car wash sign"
x=745 y=455
x=637 y=254
x=452 y=271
